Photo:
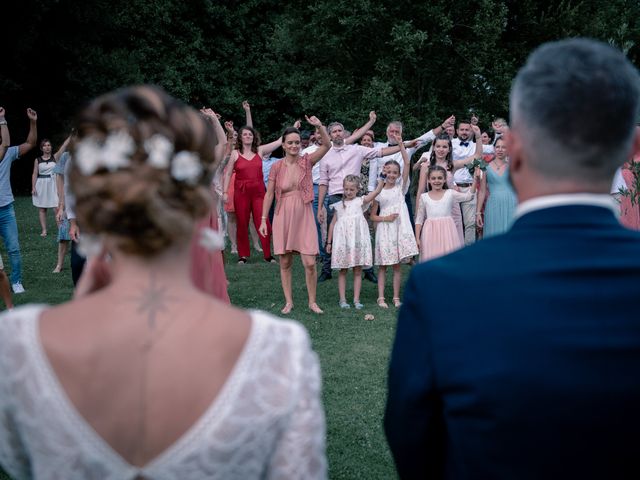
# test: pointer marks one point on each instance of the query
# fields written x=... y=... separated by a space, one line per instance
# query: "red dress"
x=247 y=199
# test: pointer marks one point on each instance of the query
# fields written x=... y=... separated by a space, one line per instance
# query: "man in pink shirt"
x=340 y=161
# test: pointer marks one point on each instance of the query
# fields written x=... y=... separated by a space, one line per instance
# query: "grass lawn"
x=353 y=352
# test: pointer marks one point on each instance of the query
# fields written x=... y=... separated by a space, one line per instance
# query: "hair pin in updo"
x=115 y=153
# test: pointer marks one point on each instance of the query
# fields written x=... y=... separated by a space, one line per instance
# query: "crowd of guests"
x=204 y=389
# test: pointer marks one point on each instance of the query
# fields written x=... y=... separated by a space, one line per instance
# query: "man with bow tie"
x=463 y=147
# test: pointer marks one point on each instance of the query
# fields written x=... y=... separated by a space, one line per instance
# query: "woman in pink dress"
x=207 y=264
x=294 y=227
x=436 y=233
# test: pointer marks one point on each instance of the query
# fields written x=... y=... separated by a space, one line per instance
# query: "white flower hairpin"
x=116 y=151
x=90 y=245
x=159 y=150
x=211 y=239
x=186 y=167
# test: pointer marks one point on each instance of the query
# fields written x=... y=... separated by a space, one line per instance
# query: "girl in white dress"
x=348 y=238
x=435 y=229
x=395 y=242
x=43 y=185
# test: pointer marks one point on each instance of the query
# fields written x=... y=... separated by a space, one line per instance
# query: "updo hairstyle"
x=143 y=207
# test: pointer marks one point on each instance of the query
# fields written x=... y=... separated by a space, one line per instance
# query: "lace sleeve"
x=300 y=451
x=13 y=457
x=421 y=214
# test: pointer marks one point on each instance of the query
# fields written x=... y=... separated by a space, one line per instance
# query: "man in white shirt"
x=342 y=160
x=463 y=147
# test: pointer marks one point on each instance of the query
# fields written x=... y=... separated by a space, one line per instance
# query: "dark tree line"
x=338 y=59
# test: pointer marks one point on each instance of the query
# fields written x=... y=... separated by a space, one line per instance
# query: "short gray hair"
x=334 y=124
x=575 y=104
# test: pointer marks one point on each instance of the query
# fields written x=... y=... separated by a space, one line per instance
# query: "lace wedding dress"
x=266 y=422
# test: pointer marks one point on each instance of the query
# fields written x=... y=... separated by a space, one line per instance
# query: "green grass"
x=353 y=352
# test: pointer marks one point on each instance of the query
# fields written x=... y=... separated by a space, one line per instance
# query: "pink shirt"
x=342 y=161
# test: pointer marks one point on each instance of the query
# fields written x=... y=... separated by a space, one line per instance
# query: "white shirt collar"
x=560 y=200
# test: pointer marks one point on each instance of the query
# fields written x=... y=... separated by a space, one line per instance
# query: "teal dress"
x=501 y=205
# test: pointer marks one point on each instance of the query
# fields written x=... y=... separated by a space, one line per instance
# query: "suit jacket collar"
x=546 y=201
x=568 y=217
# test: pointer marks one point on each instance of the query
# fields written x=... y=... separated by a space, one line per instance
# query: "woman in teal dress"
x=501 y=199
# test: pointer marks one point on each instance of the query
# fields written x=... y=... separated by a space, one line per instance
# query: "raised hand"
x=246 y=106
x=476 y=131
x=373 y=116
x=313 y=120
x=449 y=121
x=228 y=125
x=297 y=124
x=31 y=113
x=474 y=119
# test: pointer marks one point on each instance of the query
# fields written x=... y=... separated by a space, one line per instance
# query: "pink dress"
x=294 y=227
x=439 y=235
x=207 y=268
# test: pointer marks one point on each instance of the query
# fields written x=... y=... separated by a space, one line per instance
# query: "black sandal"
x=242 y=260
x=270 y=260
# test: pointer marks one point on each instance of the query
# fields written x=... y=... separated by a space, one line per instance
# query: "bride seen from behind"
x=141 y=374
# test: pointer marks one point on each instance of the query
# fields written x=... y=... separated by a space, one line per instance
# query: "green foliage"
x=415 y=61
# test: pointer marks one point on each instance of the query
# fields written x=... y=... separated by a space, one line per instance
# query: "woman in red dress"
x=249 y=189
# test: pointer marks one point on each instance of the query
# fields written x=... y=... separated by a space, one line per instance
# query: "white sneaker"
x=17 y=287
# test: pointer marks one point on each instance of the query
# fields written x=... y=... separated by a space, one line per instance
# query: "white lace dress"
x=395 y=241
x=351 y=238
x=267 y=421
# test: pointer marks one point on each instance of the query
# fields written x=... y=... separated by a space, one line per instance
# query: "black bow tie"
x=464 y=144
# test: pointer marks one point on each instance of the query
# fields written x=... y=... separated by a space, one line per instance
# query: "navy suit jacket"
x=519 y=356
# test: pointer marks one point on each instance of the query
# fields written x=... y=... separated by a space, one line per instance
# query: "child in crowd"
x=439 y=235
x=395 y=243
x=348 y=239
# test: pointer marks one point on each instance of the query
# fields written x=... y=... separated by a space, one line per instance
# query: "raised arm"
x=227 y=175
x=406 y=168
x=434 y=132
x=369 y=197
x=326 y=141
x=357 y=135
x=4 y=133
x=221 y=137
x=63 y=148
x=32 y=137
x=422 y=182
x=247 y=113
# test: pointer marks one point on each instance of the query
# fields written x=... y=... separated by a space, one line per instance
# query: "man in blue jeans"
x=8 y=225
